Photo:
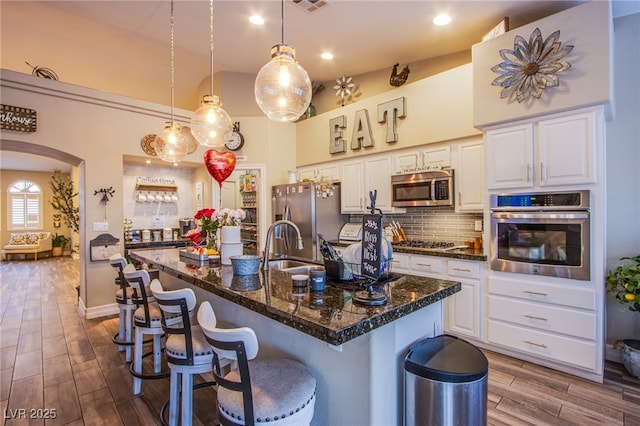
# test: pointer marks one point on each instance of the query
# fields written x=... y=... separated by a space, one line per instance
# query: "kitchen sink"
x=292 y=266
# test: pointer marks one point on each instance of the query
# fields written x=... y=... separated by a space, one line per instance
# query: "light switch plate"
x=100 y=226
x=478 y=225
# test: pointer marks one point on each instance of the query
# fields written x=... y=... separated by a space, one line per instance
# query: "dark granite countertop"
x=330 y=316
x=463 y=254
x=182 y=242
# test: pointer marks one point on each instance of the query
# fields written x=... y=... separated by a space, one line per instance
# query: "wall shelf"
x=152 y=187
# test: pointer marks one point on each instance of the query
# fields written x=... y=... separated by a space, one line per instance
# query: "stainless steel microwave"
x=425 y=188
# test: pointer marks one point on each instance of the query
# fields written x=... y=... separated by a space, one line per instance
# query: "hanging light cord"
x=172 y=65
x=211 y=44
x=282 y=19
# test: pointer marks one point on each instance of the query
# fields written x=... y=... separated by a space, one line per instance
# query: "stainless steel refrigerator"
x=314 y=208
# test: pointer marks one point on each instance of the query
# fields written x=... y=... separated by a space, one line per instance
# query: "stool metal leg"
x=187 y=399
x=128 y=331
x=157 y=352
x=174 y=394
x=137 y=362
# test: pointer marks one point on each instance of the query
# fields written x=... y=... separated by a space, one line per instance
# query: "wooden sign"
x=371 y=245
x=17 y=119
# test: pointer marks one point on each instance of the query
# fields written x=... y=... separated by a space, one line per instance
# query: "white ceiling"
x=123 y=46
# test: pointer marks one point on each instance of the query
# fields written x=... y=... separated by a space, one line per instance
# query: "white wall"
x=623 y=173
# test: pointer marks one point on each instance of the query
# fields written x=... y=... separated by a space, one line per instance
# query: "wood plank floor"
x=52 y=359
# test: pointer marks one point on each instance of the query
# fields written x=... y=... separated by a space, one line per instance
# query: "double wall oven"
x=541 y=234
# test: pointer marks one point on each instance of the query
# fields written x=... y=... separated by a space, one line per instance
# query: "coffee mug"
x=317 y=278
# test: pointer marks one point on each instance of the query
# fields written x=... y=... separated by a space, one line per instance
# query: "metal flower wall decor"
x=531 y=66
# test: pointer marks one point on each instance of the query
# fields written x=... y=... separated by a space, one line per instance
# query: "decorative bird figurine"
x=397 y=80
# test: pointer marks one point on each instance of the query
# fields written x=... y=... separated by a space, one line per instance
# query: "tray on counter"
x=192 y=255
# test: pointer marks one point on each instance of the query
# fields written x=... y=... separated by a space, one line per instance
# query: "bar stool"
x=186 y=348
x=147 y=320
x=274 y=391
x=124 y=337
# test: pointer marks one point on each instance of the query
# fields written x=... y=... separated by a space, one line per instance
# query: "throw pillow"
x=33 y=238
x=18 y=239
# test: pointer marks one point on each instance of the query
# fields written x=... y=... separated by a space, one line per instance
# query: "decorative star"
x=343 y=87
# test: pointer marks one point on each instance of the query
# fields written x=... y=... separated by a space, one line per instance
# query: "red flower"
x=204 y=214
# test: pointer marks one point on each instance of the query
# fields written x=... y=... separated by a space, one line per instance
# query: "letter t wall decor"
x=390 y=112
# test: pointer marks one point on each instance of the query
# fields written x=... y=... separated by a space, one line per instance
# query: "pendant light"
x=210 y=123
x=283 y=88
x=170 y=144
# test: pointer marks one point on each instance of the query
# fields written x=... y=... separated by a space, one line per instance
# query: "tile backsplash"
x=434 y=224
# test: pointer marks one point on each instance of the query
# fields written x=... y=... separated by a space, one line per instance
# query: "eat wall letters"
x=388 y=112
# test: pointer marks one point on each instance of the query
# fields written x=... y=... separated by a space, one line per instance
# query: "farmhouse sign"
x=17 y=119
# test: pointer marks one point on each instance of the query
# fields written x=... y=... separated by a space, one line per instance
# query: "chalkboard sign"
x=371 y=245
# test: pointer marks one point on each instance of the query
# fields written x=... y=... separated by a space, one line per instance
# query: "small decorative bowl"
x=246 y=264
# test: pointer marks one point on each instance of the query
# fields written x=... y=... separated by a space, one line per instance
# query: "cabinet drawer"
x=400 y=263
x=427 y=265
x=559 y=294
x=459 y=268
x=543 y=317
x=569 y=351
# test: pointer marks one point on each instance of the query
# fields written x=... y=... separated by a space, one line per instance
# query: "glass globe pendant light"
x=170 y=144
x=210 y=123
x=283 y=88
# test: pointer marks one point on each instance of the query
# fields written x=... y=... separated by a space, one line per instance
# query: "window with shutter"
x=25 y=206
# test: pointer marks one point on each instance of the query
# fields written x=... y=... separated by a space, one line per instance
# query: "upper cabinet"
x=431 y=158
x=468 y=164
x=555 y=151
x=359 y=177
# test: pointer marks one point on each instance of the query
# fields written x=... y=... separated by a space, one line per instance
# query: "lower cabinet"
x=557 y=322
x=463 y=310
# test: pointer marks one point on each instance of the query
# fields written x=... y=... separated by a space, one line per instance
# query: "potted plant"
x=58 y=243
x=62 y=200
x=624 y=283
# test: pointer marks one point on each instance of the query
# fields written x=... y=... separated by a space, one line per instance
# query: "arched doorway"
x=78 y=163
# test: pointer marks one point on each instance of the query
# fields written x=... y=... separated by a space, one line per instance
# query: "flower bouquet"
x=204 y=236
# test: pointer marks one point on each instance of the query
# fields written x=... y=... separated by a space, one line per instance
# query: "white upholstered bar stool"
x=124 y=337
x=186 y=348
x=147 y=320
x=267 y=391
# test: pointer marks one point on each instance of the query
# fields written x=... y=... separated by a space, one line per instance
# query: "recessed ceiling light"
x=327 y=55
x=256 y=20
x=147 y=161
x=442 y=19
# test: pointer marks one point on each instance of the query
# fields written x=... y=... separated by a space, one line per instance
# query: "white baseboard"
x=98 y=311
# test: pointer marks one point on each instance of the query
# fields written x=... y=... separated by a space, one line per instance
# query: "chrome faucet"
x=267 y=245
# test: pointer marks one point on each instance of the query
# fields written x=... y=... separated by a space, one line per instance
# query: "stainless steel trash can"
x=445 y=383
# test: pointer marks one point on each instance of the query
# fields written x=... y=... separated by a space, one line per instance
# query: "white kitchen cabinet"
x=555 y=320
x=463 y=309
x=361 y=176
x=400 y=263
x=326 y=172
x=554 y=151
x=435 y=157
x=509 y=157
x=469 y=176
x=352 y=190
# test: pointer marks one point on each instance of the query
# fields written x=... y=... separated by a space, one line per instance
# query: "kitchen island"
x=355 y=352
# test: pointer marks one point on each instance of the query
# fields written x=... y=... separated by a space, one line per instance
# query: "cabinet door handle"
x=424 y=264
x=535 y=293
x=543 y=172
x=536 y=318
x=459 y=197
x=540 y=345
x=526 y=172
x=461 y=270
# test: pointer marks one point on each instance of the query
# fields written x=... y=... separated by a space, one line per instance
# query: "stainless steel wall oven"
x=541 y=234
